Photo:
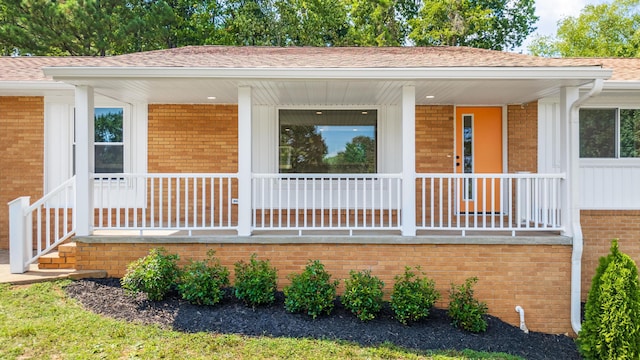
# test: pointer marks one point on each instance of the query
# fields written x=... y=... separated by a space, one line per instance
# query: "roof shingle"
x=30 y=68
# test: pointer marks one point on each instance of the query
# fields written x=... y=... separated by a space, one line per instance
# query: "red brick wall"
x=506 y=278
x=21 y=154
x=523 y=137
x=193 y=138
x=599 y=227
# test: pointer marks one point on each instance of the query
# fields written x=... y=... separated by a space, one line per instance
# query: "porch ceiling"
x=329 y=92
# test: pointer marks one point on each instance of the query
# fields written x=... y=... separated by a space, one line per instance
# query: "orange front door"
x=478 y=151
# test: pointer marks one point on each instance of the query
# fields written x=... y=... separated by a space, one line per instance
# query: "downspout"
x=576 y=255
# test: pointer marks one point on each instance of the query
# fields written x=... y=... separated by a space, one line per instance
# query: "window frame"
x=125 y=143
x=378 y=142
x=617 y=135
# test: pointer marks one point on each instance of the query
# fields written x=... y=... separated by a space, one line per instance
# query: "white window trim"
x=58 y=119
x=380 y=135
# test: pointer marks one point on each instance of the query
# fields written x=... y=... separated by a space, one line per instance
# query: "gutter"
x=575 y=74
x=578 y=244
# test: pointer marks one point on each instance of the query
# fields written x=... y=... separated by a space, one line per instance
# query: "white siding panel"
x=549 y=136
x=265 y=139
x=610 y=184
x=389 y=140
x=58 y=117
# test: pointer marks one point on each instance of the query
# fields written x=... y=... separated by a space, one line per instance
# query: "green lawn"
x=40 y=322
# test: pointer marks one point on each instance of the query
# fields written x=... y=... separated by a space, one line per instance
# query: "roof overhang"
x=318 y=86
x=34 y=88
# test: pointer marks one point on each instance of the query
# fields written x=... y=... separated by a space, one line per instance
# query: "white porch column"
x=244 y=161
x=20 y=235
x=85 y=137
x=570 y=160
x=408 y=161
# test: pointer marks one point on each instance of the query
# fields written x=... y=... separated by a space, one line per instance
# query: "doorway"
x=478 y=151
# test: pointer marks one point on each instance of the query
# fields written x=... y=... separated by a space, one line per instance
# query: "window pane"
x=108 y=125
x=328 y=141
x=629 y=133
x=109 y=159
x=597 y=133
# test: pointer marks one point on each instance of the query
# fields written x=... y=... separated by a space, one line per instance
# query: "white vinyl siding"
x=605 y=184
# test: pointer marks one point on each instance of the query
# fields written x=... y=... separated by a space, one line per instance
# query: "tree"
x=604 y=30
x=306 y=149
x=380 y=22
x=359 y=156
x=250 y=22
x=488 y=24
x=611 y=328
x=312 y=22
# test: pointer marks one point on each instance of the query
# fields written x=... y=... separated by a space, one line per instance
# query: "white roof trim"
x=520 y=73
x=622 y=85
x=34 y=85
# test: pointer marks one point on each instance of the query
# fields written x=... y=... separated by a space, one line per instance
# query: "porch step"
x=64 y=258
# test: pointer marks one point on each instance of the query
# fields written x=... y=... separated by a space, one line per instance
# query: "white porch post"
x=244 y=161
x=20 y=235
x=408 y=161
x=84 y=159
x=569 y=134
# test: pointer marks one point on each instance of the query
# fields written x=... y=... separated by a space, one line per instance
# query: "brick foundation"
x=536 y=277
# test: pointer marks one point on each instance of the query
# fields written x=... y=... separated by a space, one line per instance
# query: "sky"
x=550 y=11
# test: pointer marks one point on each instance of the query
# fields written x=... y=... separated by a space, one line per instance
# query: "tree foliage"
x=488 y=24
x=611 y=328
x=109 y=27
x=603 y=30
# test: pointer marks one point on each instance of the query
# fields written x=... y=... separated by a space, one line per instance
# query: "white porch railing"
x=505 y=202
x=326 y=202
x=165 y=202
x=38 y=228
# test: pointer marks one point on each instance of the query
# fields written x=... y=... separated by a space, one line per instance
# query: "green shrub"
x=203 y=282
x=363 y=295
x=611 y=328
x=465 y=311
x=312 y=291
x=154 y=274
x=255 y=281
x=413 y=295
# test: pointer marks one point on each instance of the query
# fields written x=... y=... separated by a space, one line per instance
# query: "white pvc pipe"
x=523 y=326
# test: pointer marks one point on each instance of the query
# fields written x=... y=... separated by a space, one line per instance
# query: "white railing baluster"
x=514 y=202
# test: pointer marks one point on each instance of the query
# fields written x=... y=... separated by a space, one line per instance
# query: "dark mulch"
x=106 y=297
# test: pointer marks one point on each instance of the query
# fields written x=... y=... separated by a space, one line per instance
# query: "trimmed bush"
x=363 y=295
x=312 y=291
x=465 y=310
x=255 y=281
x=154 y=274
x=413 y=295
x=203 y=282
x=611 y=328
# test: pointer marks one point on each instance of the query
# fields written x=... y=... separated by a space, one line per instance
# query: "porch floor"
x=323 y=236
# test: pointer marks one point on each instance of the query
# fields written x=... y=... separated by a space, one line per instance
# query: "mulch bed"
x=106 y=297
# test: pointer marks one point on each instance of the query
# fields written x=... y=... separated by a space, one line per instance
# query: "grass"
x=40 y=322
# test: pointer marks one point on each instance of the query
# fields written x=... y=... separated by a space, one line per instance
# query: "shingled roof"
x=30 y=68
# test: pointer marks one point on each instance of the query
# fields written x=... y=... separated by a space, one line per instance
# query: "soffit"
x=331 y=92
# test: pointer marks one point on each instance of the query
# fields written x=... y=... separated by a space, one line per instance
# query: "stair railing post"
x=20 y=235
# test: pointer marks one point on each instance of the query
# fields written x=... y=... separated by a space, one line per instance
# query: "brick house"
x=467 y=162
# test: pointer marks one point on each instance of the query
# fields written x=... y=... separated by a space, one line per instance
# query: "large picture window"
x=610 y=133
x=328 y=141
